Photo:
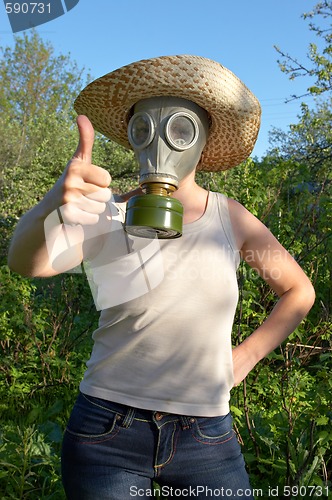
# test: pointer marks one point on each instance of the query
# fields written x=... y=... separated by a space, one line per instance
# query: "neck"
x=193 y=198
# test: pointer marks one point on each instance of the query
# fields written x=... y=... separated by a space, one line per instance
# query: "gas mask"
x=168 y=135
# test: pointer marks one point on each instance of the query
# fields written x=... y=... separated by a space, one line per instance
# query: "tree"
x=37 y=127
x=308 y=145
x=283 y=408
x=320 y=61
x=36 y=86
x=36 y=123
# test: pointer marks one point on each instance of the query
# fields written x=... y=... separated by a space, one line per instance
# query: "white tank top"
x=169 y=348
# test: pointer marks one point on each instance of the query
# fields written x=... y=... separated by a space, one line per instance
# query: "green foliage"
x=282 y=411
x=38 y=128
x=319 y=65
x=119 y=161
x=44 y=334
x=29 y=466
x=45 y=340
x=28 y=72
x=284 y=418
x=45 y=325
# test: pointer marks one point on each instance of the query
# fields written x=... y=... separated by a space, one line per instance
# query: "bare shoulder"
x=250 y=232
x=236 y=210
x=246 y=226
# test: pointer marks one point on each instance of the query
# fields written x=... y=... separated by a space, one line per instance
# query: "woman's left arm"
x=262 y=251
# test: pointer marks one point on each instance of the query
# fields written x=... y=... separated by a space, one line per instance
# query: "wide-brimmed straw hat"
x=234 y=111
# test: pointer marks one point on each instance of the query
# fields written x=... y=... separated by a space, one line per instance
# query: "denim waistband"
x=128 y=414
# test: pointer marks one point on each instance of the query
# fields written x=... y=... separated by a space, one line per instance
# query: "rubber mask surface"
x=168 y=136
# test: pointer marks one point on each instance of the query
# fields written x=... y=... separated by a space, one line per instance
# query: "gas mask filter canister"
x=168 y=135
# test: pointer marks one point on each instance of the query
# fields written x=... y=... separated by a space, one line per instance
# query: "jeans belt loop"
x=129 y=417
x=185 y=422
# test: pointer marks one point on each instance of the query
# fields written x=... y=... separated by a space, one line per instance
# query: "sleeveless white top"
x=164 y=336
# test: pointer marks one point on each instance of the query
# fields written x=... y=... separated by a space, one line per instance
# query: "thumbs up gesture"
x=49 y=238
x=83 y=188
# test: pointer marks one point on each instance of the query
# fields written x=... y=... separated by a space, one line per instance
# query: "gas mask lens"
x=140 y=130
x=181 y=131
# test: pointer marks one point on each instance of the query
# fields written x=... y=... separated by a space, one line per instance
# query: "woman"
x=154 y=401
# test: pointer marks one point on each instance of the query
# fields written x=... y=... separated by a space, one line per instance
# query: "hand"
x=243 y=363
x=80 y=196
x=82 y=192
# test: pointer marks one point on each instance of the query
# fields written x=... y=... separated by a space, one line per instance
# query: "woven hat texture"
x=234 y=110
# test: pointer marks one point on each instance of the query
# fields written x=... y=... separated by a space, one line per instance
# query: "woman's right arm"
x=49 y=238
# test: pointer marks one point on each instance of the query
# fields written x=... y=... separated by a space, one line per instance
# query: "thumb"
x=86 y=139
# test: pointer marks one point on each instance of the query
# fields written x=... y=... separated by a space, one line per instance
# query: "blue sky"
x=102 y=35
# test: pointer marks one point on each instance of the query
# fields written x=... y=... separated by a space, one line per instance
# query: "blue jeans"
x=112 y=451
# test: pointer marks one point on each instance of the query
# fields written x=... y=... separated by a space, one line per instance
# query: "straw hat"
x=234 y=111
